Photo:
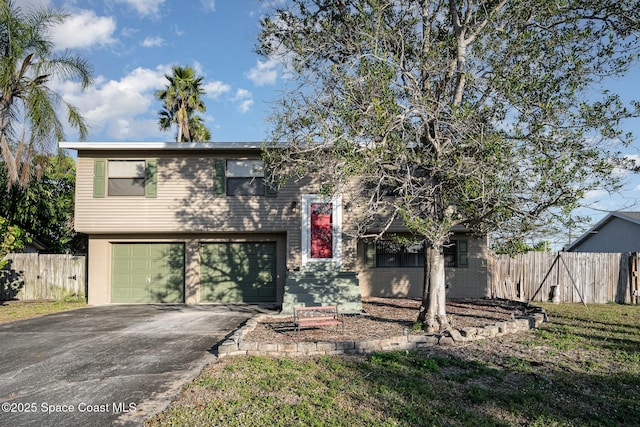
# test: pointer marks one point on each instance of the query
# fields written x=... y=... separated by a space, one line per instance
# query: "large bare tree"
x=486 y=114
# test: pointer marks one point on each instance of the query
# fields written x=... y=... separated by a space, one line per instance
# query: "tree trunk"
x=10 y=161
x=433 y=311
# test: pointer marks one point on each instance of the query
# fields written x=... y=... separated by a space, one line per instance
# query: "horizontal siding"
x=462 y=282
x=184 y=203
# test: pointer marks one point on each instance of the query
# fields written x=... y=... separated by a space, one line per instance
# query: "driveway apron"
x=108 y=365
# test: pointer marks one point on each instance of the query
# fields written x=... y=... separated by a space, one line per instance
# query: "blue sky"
x=133 y=43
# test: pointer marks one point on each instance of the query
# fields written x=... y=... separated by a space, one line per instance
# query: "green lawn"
x=582 y=368
x=16 y=310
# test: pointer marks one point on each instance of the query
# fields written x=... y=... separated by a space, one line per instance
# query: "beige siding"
x=99 y=274
x=462 y=282
x=184 y=202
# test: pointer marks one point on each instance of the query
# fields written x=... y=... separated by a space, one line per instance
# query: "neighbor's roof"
x=161 y=146
x=633 y=217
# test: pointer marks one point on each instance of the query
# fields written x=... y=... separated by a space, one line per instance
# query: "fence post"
x=545 y=278
x=634 y=277
x=575 y=285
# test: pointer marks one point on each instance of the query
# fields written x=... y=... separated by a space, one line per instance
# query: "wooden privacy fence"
x=565 y=277
x=42 y=277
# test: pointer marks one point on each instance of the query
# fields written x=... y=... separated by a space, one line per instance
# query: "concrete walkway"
x=108 y=365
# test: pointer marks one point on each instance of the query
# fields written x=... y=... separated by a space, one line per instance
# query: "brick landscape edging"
x=235 y=345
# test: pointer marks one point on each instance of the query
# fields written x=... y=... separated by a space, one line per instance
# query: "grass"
x=17 y=310
x=582 y=368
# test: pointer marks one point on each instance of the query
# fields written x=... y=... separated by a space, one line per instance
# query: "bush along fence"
x=33 y=276
x=568 y=277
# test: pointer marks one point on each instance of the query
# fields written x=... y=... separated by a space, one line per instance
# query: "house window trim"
x=114 y=165
x=402 y=255
x=461 y=256
x=234 y=170
x=102 y=176
x=336 y=230
x=223 y=175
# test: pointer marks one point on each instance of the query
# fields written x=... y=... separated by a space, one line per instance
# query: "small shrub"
x=74 y=298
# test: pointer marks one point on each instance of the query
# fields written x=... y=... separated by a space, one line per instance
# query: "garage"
x=236 y=272
x=147 y=273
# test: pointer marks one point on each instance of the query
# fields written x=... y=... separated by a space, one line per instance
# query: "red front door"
x=321 y=230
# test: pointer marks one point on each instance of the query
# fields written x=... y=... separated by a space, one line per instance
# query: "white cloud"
x=84 y=30
x=595 y=194
x=245 y=99
x=245 y=106
x=241 y=94
x=208 y=5
x=177 y=30
x=156 y=41
x=631 y=161
x=128 y=31
x=264 y=73
x=634 y=159
x=197 y=67
x=146 y=8
x=125 y=129
x=121 y=109
x=215 y=89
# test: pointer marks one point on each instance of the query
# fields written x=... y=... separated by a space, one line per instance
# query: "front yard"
x=581 y=368
x=16 y=310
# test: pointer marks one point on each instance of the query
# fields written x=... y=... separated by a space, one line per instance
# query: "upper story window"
x=125 y=178
x=240 y=177
x=245 y=178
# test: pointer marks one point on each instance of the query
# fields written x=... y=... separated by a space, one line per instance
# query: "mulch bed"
x=384 y=318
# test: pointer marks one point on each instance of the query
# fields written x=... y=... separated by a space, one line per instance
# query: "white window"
x=245 y=178
x=126 y=178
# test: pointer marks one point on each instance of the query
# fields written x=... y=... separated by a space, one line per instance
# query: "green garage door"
x=238 y=272
x=147 y=273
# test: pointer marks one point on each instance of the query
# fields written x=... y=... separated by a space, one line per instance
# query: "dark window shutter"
x=219 y=178
x=463 y=254
x=151 y=178
x=99 y=176
x=370 y=254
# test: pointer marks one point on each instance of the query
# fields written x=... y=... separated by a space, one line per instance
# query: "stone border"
x=235 y=345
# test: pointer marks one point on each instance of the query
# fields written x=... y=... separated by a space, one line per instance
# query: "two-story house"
x=195 y=223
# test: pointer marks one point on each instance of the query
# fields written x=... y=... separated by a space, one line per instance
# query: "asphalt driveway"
x=108 y=365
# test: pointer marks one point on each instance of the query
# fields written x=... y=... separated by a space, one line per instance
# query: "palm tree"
x=199 y=131
x=180 y=99
x=29 y=121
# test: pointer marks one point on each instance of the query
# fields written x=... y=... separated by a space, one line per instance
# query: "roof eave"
x=599 y=225
x=163 y=146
